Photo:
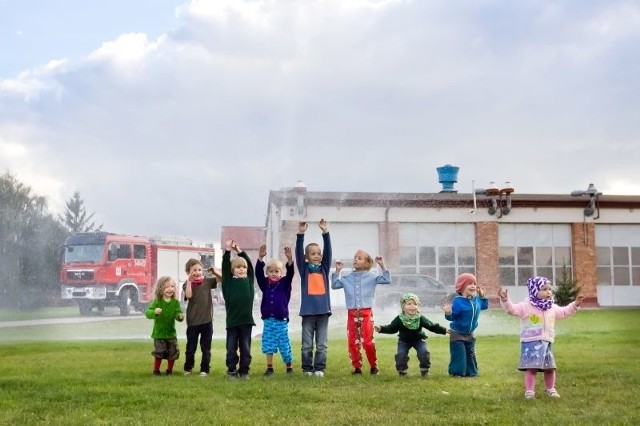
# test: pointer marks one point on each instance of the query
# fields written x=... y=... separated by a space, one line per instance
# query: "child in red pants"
x=359 y=289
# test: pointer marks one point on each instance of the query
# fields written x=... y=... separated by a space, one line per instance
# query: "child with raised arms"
x=359 y=291
x=238 y=292
x=314 y=264
x=197 y=293
x=463 y=312
x=537 y=316
x=274 y=308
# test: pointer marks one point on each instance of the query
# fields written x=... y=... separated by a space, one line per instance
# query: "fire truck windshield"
x=83 y=253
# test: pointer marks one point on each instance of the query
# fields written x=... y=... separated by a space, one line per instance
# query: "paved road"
x=58 y=321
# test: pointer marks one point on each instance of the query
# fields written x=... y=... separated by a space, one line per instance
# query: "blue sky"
x=189 y=112
x=32 y=32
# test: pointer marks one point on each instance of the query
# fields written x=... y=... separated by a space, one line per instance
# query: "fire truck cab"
x=101 y=269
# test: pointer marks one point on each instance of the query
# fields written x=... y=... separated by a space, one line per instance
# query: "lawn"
x=109 y=382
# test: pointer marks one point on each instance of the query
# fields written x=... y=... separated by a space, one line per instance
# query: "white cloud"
x=187 y=132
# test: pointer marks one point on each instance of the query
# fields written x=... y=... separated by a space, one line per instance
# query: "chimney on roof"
x=300 y=187
x=448 y=176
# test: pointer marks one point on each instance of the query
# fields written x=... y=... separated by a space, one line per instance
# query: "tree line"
x=30 y=242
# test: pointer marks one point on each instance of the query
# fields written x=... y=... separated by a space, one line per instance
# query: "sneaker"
x=308 y=373
x=232 y=375
x=268 y=372
x=319 y=373
x=203 y=374
x=356 y=371
x=402 y=373
x=243 y=376
x=552 y=393
x=423 y=373
x=169 y=372
x=374 y=371
x=156 y=372
x=529 y=394
x=187 y=373
x=290 y=370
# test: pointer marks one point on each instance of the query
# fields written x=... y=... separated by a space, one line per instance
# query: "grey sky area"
x=177 y=118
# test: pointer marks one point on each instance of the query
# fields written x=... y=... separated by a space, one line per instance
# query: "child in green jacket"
x=165 y=310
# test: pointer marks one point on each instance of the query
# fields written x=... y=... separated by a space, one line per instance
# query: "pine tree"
x=566 y=288
x=75 y=217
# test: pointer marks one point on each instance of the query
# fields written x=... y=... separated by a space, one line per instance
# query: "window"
x=528 y=250
x=119 y=251
x=139 y=251
x=618 y=254
x=438 y=250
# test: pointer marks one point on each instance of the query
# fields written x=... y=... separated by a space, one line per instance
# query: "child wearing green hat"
x=409 y=325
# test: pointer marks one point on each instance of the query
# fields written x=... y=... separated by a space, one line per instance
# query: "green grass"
x=110 y=383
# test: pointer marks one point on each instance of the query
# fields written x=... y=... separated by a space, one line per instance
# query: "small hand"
x=227 y=243
x=579 y=300
x=181 y=317
x=446 y=308
x=502 y=293
x=377 y=328
x=323 y=226
x=339 y=265
x=235 y=247
x=302 y=227
x=288 y=253
x=380 y=261
x=157 y=311
x=215 y=273
x=262 y=251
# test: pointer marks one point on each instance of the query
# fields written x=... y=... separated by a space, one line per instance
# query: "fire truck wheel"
x=125 y=302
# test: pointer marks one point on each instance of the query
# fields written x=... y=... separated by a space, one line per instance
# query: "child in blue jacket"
x=463 y=313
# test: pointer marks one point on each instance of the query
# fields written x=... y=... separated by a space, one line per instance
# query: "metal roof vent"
x=448 y=176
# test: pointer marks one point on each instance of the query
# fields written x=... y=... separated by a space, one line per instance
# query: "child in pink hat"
x=463 y=312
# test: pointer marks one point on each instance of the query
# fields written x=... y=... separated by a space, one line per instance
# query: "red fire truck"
x=101 y=269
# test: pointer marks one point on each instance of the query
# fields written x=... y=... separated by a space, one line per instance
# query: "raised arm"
x=300 y=250
x=326 y=250
x=336 y=281
x=260 y=278
x=385 y=276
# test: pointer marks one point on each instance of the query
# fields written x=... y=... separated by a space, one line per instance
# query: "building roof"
x=441 y=199
x=247 y=237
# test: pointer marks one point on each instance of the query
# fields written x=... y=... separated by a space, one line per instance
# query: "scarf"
x=196 y=283
x=534 y=285
x=314 y=268
x=412 y=322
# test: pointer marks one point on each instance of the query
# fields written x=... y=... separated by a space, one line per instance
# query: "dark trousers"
x=239 y=339
x=402 y=355
x=205 y=333
x=463 y=358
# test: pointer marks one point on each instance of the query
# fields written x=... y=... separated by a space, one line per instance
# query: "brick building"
x=501 y=236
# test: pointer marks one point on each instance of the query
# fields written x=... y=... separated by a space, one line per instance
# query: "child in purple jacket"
x=276 y=294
